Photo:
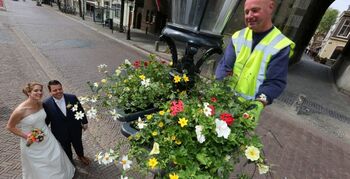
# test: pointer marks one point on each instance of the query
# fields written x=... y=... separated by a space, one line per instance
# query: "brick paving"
x=293 y=147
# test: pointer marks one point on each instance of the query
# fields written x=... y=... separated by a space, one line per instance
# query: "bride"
x=44 y=159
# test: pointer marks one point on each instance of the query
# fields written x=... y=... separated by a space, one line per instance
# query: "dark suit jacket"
x=64 y=127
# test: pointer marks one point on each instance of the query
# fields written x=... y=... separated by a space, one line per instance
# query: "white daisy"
x=79 y=115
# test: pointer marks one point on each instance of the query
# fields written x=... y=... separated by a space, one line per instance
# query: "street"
x=307 y=138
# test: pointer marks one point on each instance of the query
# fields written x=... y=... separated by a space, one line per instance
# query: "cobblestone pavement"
x=39 y=43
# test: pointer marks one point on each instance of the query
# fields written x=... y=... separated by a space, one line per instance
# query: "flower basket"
x=199 y=132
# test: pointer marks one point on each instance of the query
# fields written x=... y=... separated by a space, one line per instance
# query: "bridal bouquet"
x=36 y=135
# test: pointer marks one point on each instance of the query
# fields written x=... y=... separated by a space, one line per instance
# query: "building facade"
x=337 y=37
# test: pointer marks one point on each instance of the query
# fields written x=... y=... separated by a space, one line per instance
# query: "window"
x=116 y=8
x=345 y=29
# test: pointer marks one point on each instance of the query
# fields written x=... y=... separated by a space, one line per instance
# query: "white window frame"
x=347 y=27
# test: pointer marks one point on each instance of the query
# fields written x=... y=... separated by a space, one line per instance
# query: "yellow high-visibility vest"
x=250 y=67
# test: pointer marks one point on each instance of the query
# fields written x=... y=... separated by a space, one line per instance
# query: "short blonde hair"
x=29 y=87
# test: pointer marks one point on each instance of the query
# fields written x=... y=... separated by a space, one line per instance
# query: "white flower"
x=155 y=149
x=200 y=136
x=117 y=72
x=126 y=89
x=98 y=157
x=222 y=129
x=93 y=99
x=114 y=114
x=79 y=115
x=127 y=62
x=102 y=68
x=83 y=99
x=207 y=111
x=75 y=107
x=96 y=84
x=107 y=159
x=227 y=158
x=140 y=123
x=125 y=162
x=122 y=177
x=263 y=168
x=145 y=82
x=91 y=114
x=252 y=153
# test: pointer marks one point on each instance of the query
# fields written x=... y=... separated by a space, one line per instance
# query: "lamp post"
x=129 y=23
x=199 y=24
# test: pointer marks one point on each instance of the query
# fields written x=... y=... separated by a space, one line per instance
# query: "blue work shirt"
x=276 y=74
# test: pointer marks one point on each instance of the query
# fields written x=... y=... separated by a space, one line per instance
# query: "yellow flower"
x=161 y=113
x=103 y=81
x=173 y=176
x=185 y=77
x=152 y=162
x=252 y=153
x=161 y=124
x=155 y=149
x=142 y=77
x=149 y=117
x=168 y=110
x=178 y=142
x=170 y=63
x=177 y=79
x=137 y=136
x=183 y=122
x=154 y=133
x=173 y=137
x=130 y=137
x=125 y=81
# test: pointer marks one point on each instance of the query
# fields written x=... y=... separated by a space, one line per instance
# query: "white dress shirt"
x=61 y=103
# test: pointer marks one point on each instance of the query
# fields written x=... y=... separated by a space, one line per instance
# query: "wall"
x=328 y=49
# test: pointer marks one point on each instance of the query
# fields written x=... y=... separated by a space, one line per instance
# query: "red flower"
x=145 y=64
x=213 y=99
x=137 y=64
x=227 y=118
x=176 y=107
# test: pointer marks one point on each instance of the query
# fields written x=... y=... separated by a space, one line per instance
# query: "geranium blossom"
x=227 y=118
x=252 y=153
x=200 y=136
x=176 y=107
x=222 y=129
x=155 y=149
x=125 y=162
x=152 y=162
x=79 y=115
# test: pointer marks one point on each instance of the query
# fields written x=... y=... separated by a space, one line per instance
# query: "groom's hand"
x=85 y=126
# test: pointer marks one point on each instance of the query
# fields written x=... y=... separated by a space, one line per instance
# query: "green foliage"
x=327 y=21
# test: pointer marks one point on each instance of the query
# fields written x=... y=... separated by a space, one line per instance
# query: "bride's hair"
x=29 y=87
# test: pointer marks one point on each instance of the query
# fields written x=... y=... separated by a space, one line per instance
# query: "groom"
x=61 y=110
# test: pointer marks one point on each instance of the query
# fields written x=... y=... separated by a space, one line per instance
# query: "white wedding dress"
x=46 y=159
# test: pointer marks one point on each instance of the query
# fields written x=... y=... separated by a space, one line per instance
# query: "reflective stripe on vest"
x=250 y=66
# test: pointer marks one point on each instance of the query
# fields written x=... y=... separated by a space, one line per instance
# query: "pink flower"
x=176 y=107
x=137 y=64
x=246 y=116
x=227 y=118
